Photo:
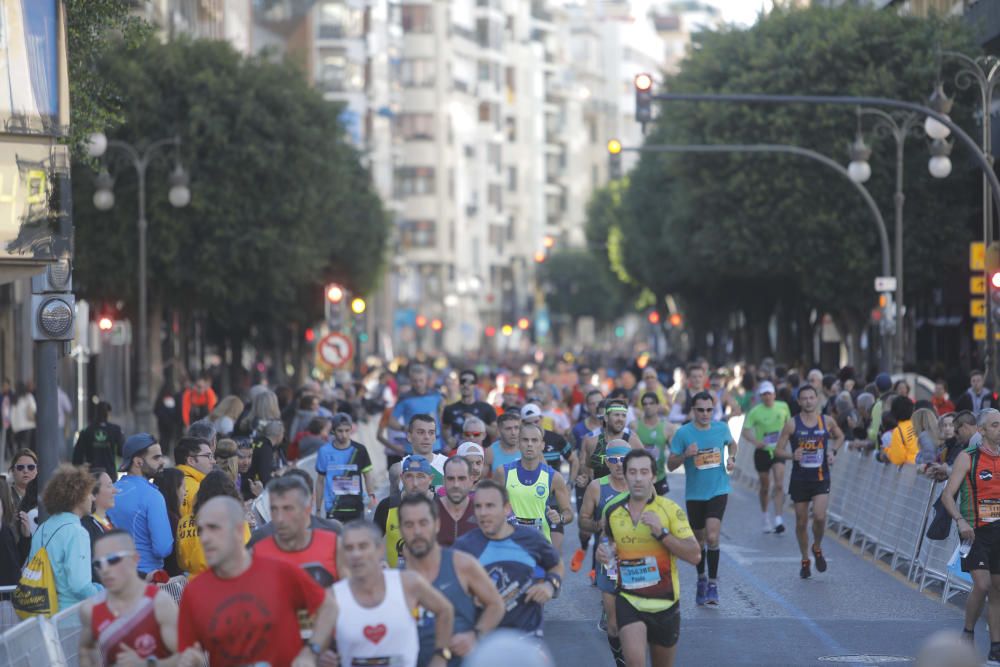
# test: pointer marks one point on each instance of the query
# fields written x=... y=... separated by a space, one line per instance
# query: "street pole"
x=985 y=72
x=883 y=235
x=899 y=126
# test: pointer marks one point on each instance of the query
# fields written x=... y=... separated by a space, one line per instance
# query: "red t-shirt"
x=319 y=559
x=251 y=618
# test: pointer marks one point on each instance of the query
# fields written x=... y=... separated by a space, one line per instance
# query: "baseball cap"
x=530 y=411
x=883 y=381
x=135 y=444
x=467 y=448
x=417 y=463
x=766 y=388
x=340 y=419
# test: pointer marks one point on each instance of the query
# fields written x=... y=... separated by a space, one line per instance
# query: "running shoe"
x=593 y=577
x=766 y=524
x=804 y=571
x=712 y=594
x=820 y=561
x=700 y=594
x=779 y=526
x=577 y=561
x=969 y=636
x=994 y=657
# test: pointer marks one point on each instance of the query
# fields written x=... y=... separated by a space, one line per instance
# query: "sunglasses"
x=21 y=467
x=614 y=460
x=111 y=559
x=472 y=434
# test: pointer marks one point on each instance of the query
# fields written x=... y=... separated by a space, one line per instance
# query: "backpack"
x=35 y=594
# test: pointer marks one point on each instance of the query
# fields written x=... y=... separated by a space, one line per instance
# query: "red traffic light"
x=643 y=82
x=676 y=320
x=421 y=321
x=437 y=324
x=105 y=323
x=653 y=317
x=310 y=335
x=491 y=331
x=523 y=323
x=995 y=280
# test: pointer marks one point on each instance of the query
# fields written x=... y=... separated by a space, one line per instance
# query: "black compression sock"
x=616 y=651
x=713 y=563
x=584 y=541
x=701 y=564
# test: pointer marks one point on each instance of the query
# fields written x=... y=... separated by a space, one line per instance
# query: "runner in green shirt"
x=761 y=429
x=654 y=432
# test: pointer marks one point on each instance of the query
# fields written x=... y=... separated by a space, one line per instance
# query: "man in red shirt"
x=197 y=401
x=244 y=609
x=457 y=516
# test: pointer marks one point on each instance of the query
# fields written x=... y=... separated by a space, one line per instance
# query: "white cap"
x=530 y=410
x=765 y=388
x=467 y=448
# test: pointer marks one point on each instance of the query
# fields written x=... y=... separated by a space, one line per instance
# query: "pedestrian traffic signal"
x=643 y=98
x=614 y=159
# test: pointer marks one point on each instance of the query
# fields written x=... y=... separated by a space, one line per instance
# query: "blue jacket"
x=141 y=510
x=68 y=545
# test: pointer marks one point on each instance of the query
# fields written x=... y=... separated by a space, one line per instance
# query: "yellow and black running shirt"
x=647 y=571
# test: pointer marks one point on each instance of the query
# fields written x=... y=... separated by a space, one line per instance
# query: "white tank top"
x=383 y=636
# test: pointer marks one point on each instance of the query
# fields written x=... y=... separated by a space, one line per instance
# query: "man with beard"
x=417 y=476
x=455 y=507
x=457 y=575
x=594 y=445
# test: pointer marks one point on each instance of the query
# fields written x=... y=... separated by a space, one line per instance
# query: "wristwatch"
x=556 y=582
x=444 y=653
x=663 y=533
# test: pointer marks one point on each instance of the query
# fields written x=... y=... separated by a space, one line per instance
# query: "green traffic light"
x=363 y=337
x=620 y=331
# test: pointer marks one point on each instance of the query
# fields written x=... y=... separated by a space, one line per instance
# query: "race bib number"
x=384 y=661
x=771 y=439
x=639 y=573
x=529 y=523
x=812 y=458
x=989 y=510
x=345 y=480
x=708 y=458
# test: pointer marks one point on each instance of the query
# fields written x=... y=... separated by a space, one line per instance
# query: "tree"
x=744 y=233
x=577 y=288
x=280 y=202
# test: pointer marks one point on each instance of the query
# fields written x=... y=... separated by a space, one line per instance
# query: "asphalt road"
x=768 y=615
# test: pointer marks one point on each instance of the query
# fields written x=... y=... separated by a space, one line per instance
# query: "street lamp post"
x=899 y=125
x=985 y=72
x=179 y=196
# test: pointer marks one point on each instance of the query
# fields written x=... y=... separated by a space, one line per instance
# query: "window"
x=494 y=196
x=333 y=72
x=414 y=181
x=485 y=112
x=512 y=179
x=497 y=235
x=418 y=19
x=337 y=21
x=415 y=126
x=417 y=234
x=493 y=156
x=417 y=72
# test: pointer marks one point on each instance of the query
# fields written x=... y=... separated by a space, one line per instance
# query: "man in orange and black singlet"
x=976 y=478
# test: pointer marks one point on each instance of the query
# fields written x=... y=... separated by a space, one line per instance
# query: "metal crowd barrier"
x=884 y=510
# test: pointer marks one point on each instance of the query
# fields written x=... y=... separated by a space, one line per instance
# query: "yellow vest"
x=530 y=502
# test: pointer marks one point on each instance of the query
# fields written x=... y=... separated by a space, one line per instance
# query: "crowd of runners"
x=281 y=564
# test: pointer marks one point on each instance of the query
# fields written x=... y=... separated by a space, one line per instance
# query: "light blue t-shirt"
x=706 y=475
x=415 y=404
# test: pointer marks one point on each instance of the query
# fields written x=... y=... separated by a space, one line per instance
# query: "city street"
x=767 y=615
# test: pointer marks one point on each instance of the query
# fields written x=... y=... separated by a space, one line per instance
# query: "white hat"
x=467 y=448
x=765 y=388
x=530 y=410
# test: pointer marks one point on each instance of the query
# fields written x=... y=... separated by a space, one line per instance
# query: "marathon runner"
x=505 y=450
x=762 y=429
x=814 y=442
x=530 y=483
x=655 y=433
x=647 y=533
x=375 y=624
x=681 y=401
x=476 y=456
x=417 y=476
x=422 y=436
x=130 y=622
x=975 y=476
x=593 y=420
x=454 y=416
x=455 y=574
x=599 y=494
x=524 y=567
x=453 y=510
x=554 y=448
x=343 y=465
x=699 y=447
x=615 y=419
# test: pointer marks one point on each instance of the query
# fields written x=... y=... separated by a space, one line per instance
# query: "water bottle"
x=964 y=548
x=612 y=567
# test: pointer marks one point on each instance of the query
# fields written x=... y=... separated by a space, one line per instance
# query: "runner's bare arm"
x=419 y=592
x=750 y=436
x=166 y=612
x=326 y=621
x=634 y=442
x=586 y=451
x=488 y=459
x=483 y=590
x=783 y=441
x=88 y=645
x=588 y=506
x=562 y=499
x=687 y=549
x=958 y=472
x=574 y=465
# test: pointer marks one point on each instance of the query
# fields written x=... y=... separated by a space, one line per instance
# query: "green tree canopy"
x=280 y=202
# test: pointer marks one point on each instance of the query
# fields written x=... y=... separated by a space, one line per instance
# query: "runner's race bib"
x=344 y=482
x=639 y=573
x=384 y=661
x=812 y=458
x=708 y=458
x=989 y=510
x=771 y=439
x=528 y=523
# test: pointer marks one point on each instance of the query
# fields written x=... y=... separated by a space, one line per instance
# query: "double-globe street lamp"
x=900 y=125
x=104 y=199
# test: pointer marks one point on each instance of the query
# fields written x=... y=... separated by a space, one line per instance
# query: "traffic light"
x=643 y=98
x=491 y=331
x=523 y=323
x=653 y=317
x=421 y=321
x=992 y=261
x=676 y=320
x=358 y=306
x=614 y=159
x=52 y=303
x=437 y=324
x=333 y=302
x=310 y=335
x=105 y=323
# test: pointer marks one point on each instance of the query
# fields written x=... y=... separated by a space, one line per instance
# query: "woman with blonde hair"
x=224 y=415
x=925 y=427
x=263 y=408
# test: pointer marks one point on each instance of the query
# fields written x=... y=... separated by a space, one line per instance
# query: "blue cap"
x=135 y=444
x=617 y=450
x=417 y=463
x=883 y=381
